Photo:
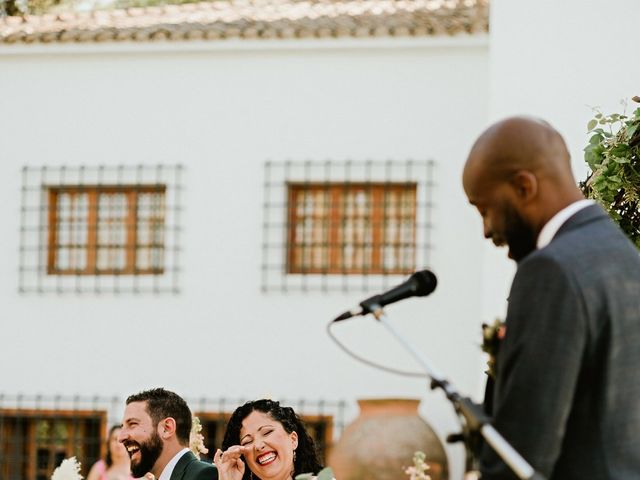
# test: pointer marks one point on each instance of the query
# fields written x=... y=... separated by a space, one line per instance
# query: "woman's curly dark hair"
x=306 y=458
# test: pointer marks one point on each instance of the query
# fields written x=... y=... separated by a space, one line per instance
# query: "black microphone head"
x=424 y=282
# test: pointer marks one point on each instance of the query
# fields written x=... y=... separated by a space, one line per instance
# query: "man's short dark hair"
x=161 y=404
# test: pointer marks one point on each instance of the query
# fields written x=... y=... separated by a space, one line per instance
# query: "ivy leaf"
x=620 y=150
x=595 y=139
x=593 y=156
x=592 y=124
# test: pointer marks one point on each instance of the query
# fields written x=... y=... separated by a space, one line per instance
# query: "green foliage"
x=30 y=7
x=40 y=7
x=10 y=8
x=613 y=155
x=325 y=474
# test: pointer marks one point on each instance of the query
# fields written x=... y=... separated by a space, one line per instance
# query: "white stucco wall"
x=557 y=60
x=222 y=111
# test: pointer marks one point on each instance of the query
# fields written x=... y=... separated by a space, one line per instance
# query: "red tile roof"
x=254 y=19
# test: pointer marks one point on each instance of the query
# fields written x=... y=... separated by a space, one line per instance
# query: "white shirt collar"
x=168 y=469
x=552 y=226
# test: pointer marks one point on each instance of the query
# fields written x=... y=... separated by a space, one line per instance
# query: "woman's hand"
x=230 y=465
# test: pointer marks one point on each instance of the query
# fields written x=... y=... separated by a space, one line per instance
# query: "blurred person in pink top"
x=116 y=464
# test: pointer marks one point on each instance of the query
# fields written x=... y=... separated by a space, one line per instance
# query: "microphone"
x=419 y=284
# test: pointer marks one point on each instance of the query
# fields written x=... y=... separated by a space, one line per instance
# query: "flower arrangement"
x=69 y=469
x=492 y=336
x=419 y=469
x=196 y=439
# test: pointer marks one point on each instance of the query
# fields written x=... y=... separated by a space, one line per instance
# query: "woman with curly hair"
x=265 y=441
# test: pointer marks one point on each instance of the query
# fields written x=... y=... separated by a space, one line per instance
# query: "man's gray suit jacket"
x=567 y=393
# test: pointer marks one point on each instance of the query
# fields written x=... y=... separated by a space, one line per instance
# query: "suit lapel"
x=181 y=466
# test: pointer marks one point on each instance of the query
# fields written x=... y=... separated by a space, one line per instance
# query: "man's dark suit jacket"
x=567 y=392
x=190 y=468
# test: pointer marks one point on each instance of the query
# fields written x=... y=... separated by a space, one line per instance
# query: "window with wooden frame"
x=352 y=228
x=34 y=442
x=113 y=229
x=106 y=229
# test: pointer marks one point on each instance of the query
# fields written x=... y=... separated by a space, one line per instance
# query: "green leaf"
x=592 y=124
x=593 y=155
x=631 y=129
x=620 y=150
x=325 y=474
x=595 y=139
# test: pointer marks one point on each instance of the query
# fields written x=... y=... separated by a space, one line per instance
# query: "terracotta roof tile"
x=254 y=19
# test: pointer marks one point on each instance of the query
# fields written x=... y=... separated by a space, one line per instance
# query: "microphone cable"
x=379 y=366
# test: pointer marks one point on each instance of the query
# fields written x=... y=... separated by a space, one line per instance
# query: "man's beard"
x=519 y=236
x=150 y=450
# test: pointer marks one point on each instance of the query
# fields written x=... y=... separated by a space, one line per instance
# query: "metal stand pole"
x=475 y=419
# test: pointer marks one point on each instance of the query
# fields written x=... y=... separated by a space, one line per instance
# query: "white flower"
x=69 y=469
x=196 y=439
x=418 y=471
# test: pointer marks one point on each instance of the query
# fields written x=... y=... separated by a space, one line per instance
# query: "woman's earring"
x=294 y=455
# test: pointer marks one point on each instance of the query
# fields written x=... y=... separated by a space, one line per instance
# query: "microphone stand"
x=475 y=420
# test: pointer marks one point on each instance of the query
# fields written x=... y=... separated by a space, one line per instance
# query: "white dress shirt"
x=168 y=469
x=553 y=225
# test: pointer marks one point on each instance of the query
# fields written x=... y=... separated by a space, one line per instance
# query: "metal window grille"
x=38 y=432
x=341 y=226
x=102 y=229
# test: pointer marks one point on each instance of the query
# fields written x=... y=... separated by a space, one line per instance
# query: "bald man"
x=567 y=392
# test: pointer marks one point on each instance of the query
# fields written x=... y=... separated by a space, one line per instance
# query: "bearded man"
x=567 y=376
x=155 y=431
